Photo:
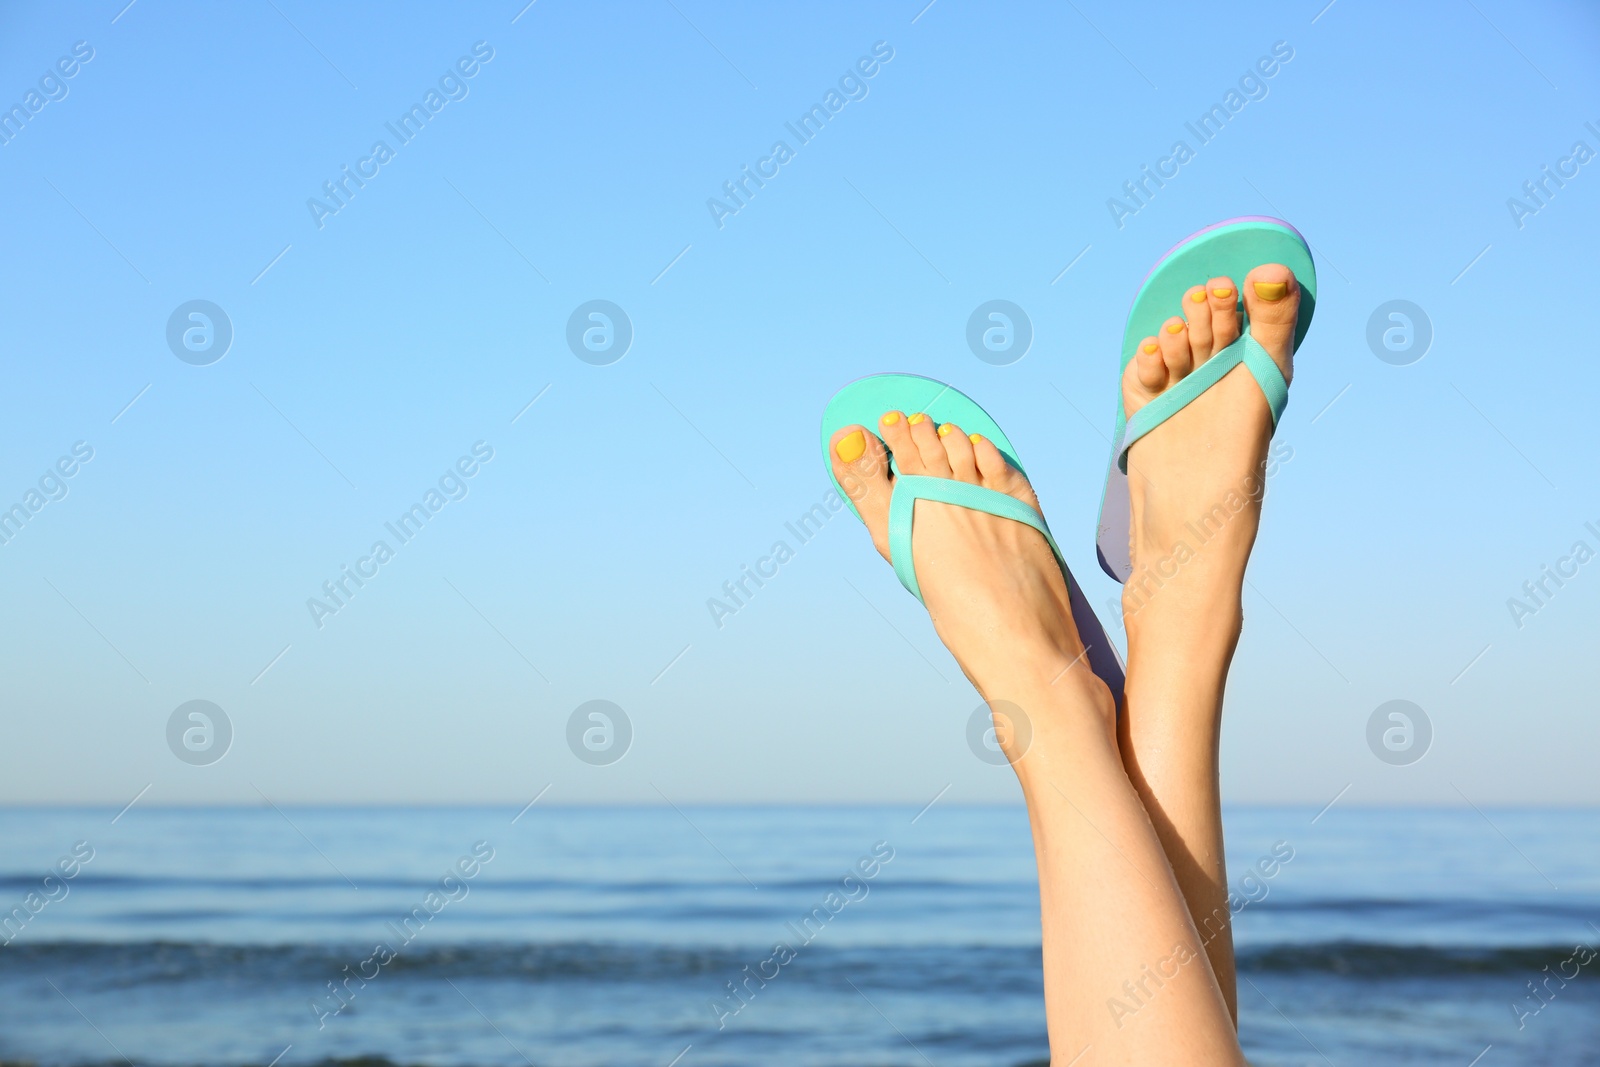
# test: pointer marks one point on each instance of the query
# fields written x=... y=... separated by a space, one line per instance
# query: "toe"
x=958 y=452
x=1272 y=300
x=991 y=464
x=1150 y=371
x=1223 y=297
x=925 y=436
x=1174 y=342
x=1198 y=314
x=861 y=465
x=1144 y=377
x=897 y=435
x=999 y=475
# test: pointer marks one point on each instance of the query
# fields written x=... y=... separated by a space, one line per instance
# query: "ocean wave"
x=144 y=962
x=1369 y=959
x=27 y=880
x=371 y=1060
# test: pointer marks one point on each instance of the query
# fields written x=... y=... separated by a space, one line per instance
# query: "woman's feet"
x=1196 y=481
x=992 y=586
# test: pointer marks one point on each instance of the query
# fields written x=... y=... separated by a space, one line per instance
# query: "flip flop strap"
x=1245 y=350
x=908 y=489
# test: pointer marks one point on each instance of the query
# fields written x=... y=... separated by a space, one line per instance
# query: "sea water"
x=580 y=937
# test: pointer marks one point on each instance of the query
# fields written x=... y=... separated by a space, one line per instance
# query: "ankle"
x=1050 y=729
x=1027 y=664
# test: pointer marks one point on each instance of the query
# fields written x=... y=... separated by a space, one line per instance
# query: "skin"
x=1182 y=636
x=1124 y=813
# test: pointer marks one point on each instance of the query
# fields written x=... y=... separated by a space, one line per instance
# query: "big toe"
x=861 y=465
x=1272 y=300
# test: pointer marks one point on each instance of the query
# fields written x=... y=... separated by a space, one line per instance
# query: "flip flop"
x=1229 y=249
x=865 y=401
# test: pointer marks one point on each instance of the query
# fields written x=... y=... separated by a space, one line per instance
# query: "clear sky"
x=568 y=155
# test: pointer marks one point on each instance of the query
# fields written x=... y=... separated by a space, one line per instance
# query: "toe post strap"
x=910 y=488
x=1245 y=350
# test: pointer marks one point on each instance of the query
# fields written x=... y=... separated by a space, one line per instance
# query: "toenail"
x=851 y=446
x=918 y=417
x=975 y=438
x=1174 y=327
x=1151 y=349
x=1272 y=290
x=1198 y=296
x=945 y=429
x=891 y=418
x=1222 y=294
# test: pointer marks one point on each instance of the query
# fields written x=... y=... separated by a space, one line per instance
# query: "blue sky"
x=374 y=347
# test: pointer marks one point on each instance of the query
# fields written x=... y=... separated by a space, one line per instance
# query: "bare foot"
x=991 y=585
x=1196 y=481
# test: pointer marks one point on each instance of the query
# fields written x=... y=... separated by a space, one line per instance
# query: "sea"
x=676 y=936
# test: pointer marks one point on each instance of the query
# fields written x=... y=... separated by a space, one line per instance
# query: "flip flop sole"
x=865 y=401
x=1231 y=248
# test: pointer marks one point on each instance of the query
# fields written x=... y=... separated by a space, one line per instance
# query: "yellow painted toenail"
x=1198 y=296
x=851 y=446
x=1222 y=294
x=1272 y=290
x=945 y=429
x=975 y=438
x=1150 y=349
x=918 y=417
x=1174 y=327
x=891 y=418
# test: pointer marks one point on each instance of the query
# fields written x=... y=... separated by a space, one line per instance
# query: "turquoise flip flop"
x=1228 y=249
x=865 y=401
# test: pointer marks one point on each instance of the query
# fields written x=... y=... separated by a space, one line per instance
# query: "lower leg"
x=1125 y=970
x=1169 y=735
x=1196 y=484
